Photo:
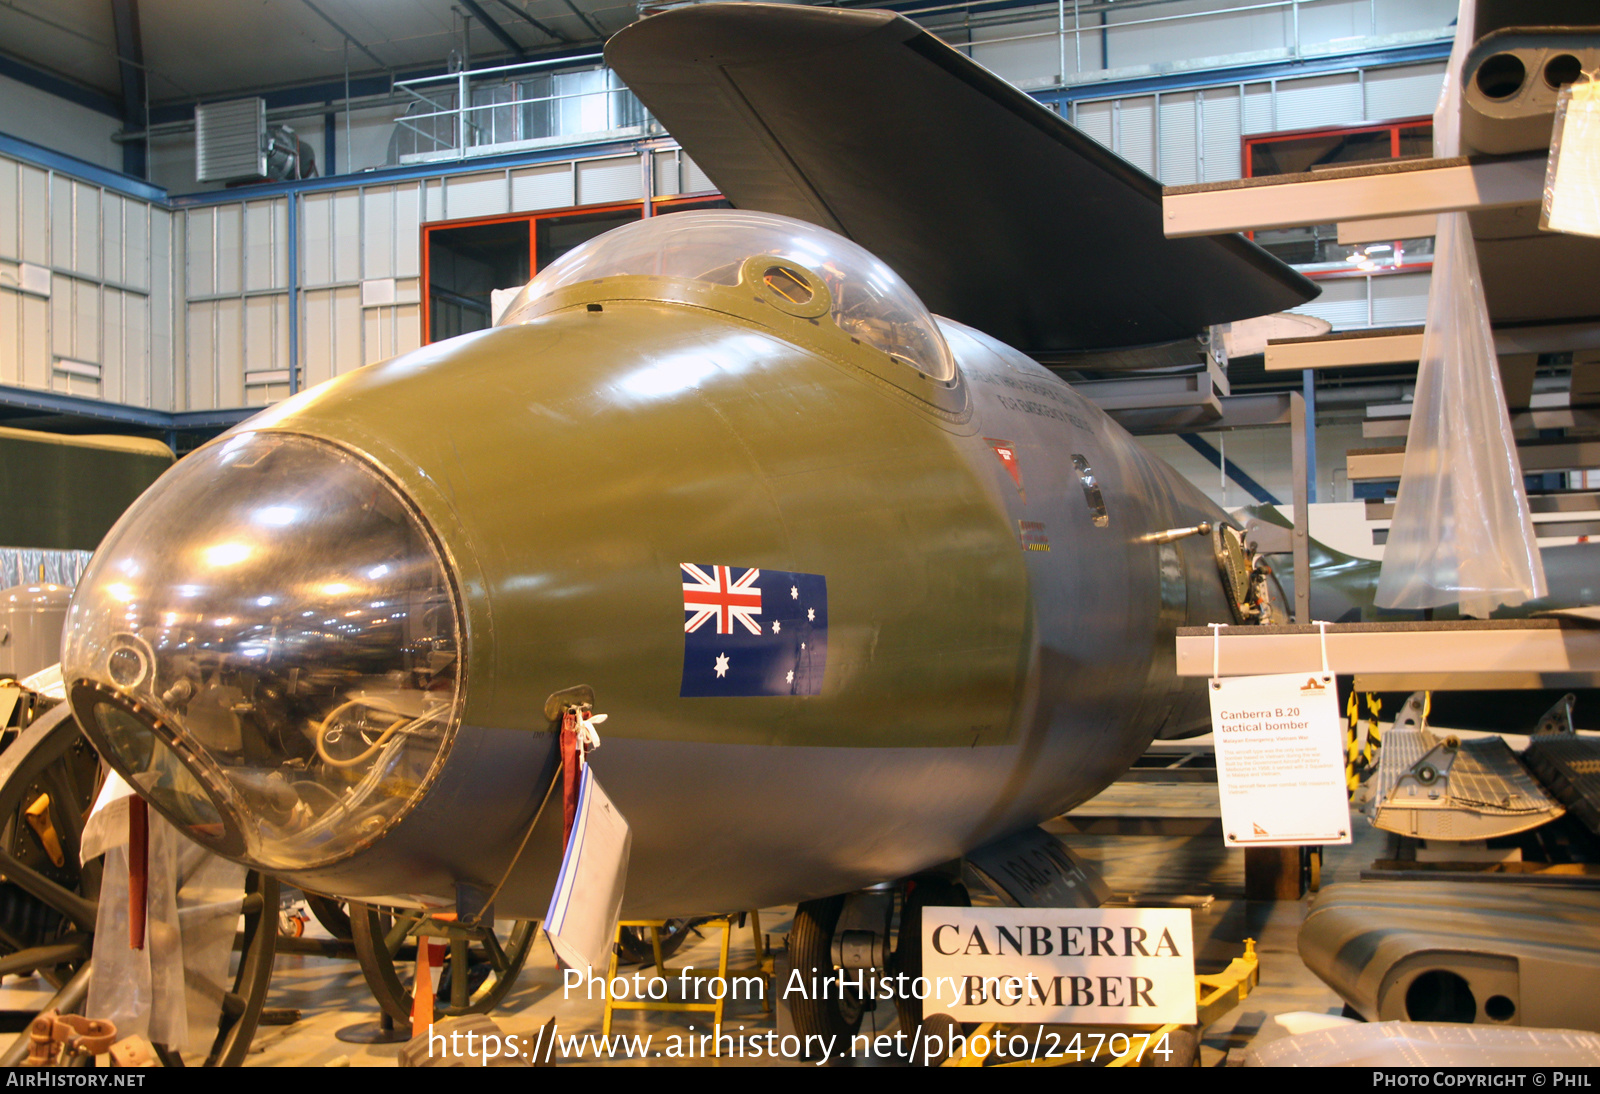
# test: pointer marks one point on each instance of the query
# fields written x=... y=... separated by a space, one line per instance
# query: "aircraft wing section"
x=997 y=212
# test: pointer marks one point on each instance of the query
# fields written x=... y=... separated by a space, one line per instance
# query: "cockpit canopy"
x=870 y=301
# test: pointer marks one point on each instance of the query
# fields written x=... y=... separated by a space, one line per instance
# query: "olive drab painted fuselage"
x=1000 y=622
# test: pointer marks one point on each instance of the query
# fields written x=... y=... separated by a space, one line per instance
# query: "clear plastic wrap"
x=1572 y=178
x=171 y=991
x=1461 y=530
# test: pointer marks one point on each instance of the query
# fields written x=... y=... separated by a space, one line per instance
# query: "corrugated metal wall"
x=85 y=294
x=1194 y=136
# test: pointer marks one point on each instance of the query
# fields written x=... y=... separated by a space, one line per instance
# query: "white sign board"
x=1280 y=760
x=583 y=913
x=1085 y=966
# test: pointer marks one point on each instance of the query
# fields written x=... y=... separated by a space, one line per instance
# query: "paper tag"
x=1572 y=178
x=1280 y=760
x=1086 y=966
x=587 y=902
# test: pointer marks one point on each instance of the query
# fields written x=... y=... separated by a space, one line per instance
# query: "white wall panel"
x=1178 y=133
x=138 y=362
x=86 y=322
x=347 y=235
x=602 y=182
x=35 y=353
x=229 y=226
x=378 y=231
x=1318 y=102
x=200 y=335
x=61 y=310
x=1405 y=91
x=1025 y=60
x=60 y=222
x=263 y=350
x=113 y=214
x=1415 y=15
x=136 y=244
x=1134 y=40
x=482 y=195
x=408 y=327
x=262 y=244
x=347 y=329
x=200 y=251
x=1400 y=299
x=161 y=316
x=34 y=213
x=113 y=356
x=666 y=174
x=1343 y=302
x=230 y=353
x=86 y=229
x=9 y=199
x=695 y=181
x=1258 y=109
x=316 y=248
x=1135 y=124
x=548 y=186
x=1095 y=120
x=1219 y=108
x=10 y=329
x=408 y=230
x=316 y=327
x=433 y=200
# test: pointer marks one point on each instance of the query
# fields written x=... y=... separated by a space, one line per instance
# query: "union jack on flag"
x=719 y=596
x=752 y=631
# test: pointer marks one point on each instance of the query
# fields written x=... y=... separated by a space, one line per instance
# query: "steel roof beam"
x=494 y=28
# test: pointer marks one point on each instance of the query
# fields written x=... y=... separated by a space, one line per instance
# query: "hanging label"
x=1280 y=760
x=587 y=902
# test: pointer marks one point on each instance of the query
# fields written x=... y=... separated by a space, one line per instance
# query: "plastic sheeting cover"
x=1461 y=531
x=1419 y=1044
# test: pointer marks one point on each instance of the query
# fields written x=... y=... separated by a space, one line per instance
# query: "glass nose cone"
x=268 y=646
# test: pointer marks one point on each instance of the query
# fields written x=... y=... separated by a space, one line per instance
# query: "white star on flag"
x=794 y=593
x=722 y=665
x=777 y=626
x=811 y=613
x=789 y=676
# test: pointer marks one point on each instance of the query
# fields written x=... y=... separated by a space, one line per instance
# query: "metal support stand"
x=381 y=1032
x=1302 y=511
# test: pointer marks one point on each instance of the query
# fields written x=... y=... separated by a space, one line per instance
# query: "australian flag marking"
x=748 y=631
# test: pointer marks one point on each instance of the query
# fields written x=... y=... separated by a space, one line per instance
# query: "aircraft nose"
x=268 y=646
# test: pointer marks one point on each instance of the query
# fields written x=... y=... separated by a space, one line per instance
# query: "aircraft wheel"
x=331 y=913
x=633 y=943
x=925 y=892
x=480 y=965
x=242 y=1004
x=49 y=775
x=811 y=955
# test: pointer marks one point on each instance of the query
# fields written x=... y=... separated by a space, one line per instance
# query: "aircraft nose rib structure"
x=268 y=647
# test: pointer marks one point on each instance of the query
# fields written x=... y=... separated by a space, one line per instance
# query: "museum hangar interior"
x=1045 y=395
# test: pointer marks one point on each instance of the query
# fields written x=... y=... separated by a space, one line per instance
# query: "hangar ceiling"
x=223 y=47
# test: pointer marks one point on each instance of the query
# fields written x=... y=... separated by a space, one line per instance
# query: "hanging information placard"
x=1280 y=760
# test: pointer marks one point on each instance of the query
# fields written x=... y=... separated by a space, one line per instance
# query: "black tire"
x=634 y=948
x=926 y=892
x=811 y=955
x=330 y=913
x=1183 y=1050
x=380 y=934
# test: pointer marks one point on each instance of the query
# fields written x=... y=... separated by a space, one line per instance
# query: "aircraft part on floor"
x=1459 y=951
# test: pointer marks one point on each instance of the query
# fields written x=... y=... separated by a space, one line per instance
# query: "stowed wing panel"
x=998 y=213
